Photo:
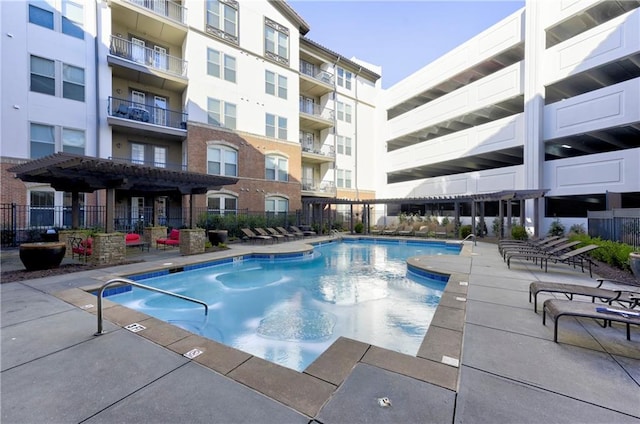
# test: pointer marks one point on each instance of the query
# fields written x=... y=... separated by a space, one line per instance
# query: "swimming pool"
x=289 y=310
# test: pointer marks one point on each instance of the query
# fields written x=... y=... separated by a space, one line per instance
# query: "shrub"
x=465 y=230
x=496 y=226
x=556 y=228
x=611 y=252
x=445 y=221
x=577 y=229
x=518 y=232
x=359 y=227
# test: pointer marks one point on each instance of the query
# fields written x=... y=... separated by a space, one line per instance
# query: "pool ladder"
x=120 y=280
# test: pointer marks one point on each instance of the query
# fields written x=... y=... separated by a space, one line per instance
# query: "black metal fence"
x=21 y=223
x=621 y=225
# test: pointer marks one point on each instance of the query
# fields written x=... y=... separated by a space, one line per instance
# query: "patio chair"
x=274 y=233
x=172 y=240
x=284 y=231
x=405 y=230
x=423 y=231
x=571 y=258
x=81 y=247
x=251 y=236
x=531 y=247
x=557 y=308
x=389 y=231
x=262 y=232
x=630 y=298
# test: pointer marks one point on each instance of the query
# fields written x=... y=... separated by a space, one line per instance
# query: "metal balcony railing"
x=322 y=76
x=165 y=165
x=148 y=57
x=324 y=150
x=318 y=187
x=316 y=110
x=122 y=108
x=166 y=8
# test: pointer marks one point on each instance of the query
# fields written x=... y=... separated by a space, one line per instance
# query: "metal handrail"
x=475 y=243
x=142 y=286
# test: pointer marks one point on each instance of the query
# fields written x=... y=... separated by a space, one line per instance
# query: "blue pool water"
x=289 y=311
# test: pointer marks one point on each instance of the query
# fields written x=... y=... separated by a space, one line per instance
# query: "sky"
x=401 y=36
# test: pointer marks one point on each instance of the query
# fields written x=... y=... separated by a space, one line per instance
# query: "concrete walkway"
x=54 y=370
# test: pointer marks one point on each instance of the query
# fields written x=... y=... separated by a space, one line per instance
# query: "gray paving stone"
x=506 y=401
x=29 y=340
x=194 y=394
x=337 y=362
x=74 y=384
x=412 y=401
x=22 y=303
x=564 y=369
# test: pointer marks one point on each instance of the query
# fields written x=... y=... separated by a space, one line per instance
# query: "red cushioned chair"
x=132 y=239
x=172 y=240
x=82 y=248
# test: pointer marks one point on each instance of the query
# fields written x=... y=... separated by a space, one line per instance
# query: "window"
x=276 y=41
x=222 y=160
x=344 y=178
x=72 y=19
x=344 y=145
x=222 y=19
x=222 y=203
x=275 y=204
x=277 y=168
x=220 y=65
x=344 y=112
x=73 y=141
x=40 y=16
x=221 y=113
x=276 y=89
x=43 y=75
x=72 y=82
x=344 y=78
x=137 y=153
x=42 y=140
x=42 y=208
x=270 y=127
x=159 y=157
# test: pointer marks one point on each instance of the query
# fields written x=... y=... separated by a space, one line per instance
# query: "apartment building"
x=222 y=87
x=547 y=99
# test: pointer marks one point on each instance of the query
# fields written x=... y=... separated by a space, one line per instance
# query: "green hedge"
x=611 y=252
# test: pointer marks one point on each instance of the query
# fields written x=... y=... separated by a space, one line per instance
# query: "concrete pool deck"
x=486 y=358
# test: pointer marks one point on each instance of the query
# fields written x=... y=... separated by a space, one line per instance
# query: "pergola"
x=477 y=202
x=83 y=174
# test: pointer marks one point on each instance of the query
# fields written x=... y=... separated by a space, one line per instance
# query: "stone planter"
x=43 y=255
x=634 y=263
x=218 y=236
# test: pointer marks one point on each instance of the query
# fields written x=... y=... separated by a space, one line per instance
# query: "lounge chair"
x=522 y=243
x=504 y=250
x=554 y=247
x=630 y=298
x=389 y=231
x=251 y=236
x=405 y=230
x=557 y=308
x=305 y=233
x=172 y=240
x=275 y=233
x=263 y=232
x=422 y=231
x=285 y=232
x=571 y=258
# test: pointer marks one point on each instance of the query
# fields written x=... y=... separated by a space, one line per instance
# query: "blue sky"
x=401 y=36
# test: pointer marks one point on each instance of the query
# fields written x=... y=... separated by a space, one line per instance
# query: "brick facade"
x=252 y=188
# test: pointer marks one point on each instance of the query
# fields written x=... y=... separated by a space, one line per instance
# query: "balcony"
x=315 y=117
x=163 y=165
x=160 y=19
x=316 y=83
x=312 y=154
x=318 y=188
x=146 y=120
x=145 y=65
